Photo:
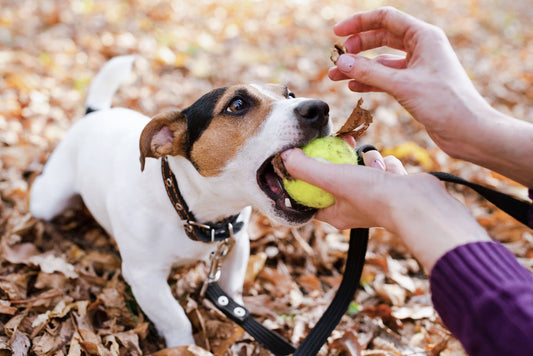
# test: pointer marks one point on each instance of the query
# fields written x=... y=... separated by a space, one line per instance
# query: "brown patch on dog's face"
x=237 y=115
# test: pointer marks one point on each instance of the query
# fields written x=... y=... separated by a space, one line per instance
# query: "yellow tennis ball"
x=330 y=149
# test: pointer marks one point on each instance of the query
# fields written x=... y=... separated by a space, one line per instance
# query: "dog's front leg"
x=234 y=266
x=152 y=292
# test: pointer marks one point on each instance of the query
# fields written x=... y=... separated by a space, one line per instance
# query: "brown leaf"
x=20 y=253
x=5 y=349
x=281 y=283
x=130 y=341
x=75 y=346
x=310 y=282
x=6 y=308
x=14 y=286
x=337 y=51
x=357 y=123
x=225 y=334
x=256 y=263
x=92 y=343
x=19 y=343
x=191 y=350
x=44 y=345
x=55 y=281
x=348 y=343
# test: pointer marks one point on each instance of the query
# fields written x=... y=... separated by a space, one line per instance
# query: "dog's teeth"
x=288 y=203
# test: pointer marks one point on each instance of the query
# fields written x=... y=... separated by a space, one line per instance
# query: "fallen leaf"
x=51 y=264
x=414 y=312
x=256 y=263
x=6 y=308
x=348 y=343
x=20 y=253
x=19 y=343
x=191 y=350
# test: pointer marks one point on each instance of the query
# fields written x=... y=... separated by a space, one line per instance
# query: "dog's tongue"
x=274 y=183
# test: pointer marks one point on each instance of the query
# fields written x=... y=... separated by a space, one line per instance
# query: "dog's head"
x=230 y=135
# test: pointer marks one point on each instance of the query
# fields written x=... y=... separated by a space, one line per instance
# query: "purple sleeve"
x=531 y=209
x=485 y=298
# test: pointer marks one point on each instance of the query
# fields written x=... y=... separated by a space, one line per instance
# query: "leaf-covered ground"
x=61 y=288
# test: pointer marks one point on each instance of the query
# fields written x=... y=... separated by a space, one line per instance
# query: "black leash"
x=323 y=328
x=516 y=208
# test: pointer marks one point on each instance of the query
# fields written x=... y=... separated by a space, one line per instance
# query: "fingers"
x=374 y=159
x=363 y=41
x=368 y=72
x=394 y=165
x=392 y=61
x=389 y=164
x=385 y=18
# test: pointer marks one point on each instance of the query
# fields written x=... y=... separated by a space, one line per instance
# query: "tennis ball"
x=329 y=149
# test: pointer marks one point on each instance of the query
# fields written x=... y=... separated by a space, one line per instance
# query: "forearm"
x=497 y=142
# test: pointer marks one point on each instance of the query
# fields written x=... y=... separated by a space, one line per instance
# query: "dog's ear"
x=164 y=135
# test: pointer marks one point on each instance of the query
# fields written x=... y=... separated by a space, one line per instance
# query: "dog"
x=220 y=150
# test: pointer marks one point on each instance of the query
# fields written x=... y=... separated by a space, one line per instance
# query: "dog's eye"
x=237 y=105
x=290 y=95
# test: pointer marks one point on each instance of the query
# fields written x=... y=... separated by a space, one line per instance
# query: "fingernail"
x=345 y=63
x=285 y=154
x=378 y=164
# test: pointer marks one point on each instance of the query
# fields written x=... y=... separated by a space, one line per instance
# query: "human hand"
x=428 y=80
x=416 y=207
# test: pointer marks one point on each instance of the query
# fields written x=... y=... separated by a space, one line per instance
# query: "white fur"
x=99 y=160
x=107 y=81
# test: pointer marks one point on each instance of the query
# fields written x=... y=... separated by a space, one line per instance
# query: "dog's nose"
x=314 y=113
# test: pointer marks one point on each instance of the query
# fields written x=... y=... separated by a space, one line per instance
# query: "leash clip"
x=215 y=260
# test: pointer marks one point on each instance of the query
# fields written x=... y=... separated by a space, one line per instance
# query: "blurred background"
x=51 y=49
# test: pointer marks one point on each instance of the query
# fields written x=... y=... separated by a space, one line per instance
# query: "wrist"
x=429 y=221
x=466 y=135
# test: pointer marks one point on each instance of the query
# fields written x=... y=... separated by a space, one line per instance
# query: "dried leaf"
x=6 y=308
x=414 y=312
x=21 y=253
x=357 y=123
x=130 y=341
x=336 y=52
x=348 y=343
x=92 y=343
x=256 y=263
x=51 y=264
x=19 y=344
x=75 y=346
x=191 y=350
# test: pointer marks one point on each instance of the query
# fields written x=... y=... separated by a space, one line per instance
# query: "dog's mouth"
x=272 y=185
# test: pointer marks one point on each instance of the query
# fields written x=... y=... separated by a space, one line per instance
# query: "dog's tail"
x=107 y=81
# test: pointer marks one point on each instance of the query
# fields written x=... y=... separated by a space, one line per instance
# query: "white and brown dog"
x=220 y=151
